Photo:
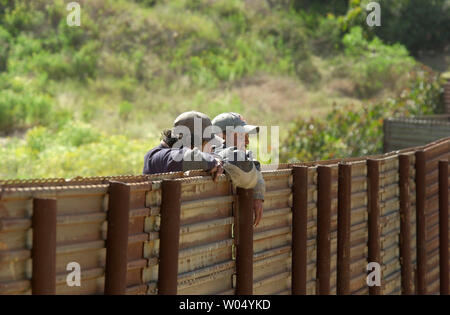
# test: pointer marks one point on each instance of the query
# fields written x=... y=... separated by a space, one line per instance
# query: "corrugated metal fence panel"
x=141 y=231
x=205 y=259
x=359 y=229
x=151 y=245
x=390 y=226
x=432 y=155
x=312 y=232
x=333 y=228
x=80 y=237
x=272 y=238
x=15 y=245
x=413 y=235
x=400 y=133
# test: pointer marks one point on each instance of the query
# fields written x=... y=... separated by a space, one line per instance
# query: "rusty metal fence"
x=184 y=234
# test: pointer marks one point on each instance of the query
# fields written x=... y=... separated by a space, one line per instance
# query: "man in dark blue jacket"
x=187 y=146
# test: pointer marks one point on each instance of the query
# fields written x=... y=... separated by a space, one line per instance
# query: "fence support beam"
x=169 y=237
x=344 y=223
x=244 y=250
x=405 y=225
x=43 y=279
x=299 y=226
x=117 y=238
x=323 y=229
x=373 y=173
x=420 y=222
x=443 y=228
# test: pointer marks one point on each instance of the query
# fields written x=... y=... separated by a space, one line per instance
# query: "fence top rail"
x=147 y=182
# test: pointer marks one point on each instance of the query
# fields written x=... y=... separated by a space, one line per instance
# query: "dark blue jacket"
x=163 y=160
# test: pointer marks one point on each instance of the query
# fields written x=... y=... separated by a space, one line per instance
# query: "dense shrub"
x=23 y=110
x=417 y=24
x=71 y=152
x=371 y=64
x=356 y=131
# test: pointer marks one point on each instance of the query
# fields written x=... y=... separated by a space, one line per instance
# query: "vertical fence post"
x=117 y=238
x=43 y=279
x=405 y=225
x=443 y=228
x=373 y=173
x=344 y=223
x=323 y=229
x=169 y=237
x=244 y=250
x=299 y=226
x=420 y=222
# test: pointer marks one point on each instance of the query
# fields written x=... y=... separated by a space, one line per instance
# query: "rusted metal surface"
x=358 y=228
x=433 y=153
x=405 y=227
x=141 y=232
x=323 y=229
x=299 y=229
x=117 y=239
x=344 y=224
x=443 y=228
x=244 y=251
x=373 y=191
x=206 y=238
x=390 y=224
x=311 y=246
x=420 y=221
x=169 y=237
x=44 y=246
x=271 y=263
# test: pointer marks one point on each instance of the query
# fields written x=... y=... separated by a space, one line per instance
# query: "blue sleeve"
x=194 y=159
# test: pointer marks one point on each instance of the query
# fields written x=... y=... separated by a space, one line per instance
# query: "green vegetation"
x=351 y=131
x=418 y=25
x=91 y=100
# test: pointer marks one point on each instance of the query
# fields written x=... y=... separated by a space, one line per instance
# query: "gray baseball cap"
x=235 y=121
x=197 y=124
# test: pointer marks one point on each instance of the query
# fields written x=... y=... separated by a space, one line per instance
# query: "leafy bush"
x=352 y=131
x=372 y=64
x=418 y=25
x=23 y=110
x=45 y=154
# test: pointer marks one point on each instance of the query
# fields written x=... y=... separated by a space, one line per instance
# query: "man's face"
x=237 y=139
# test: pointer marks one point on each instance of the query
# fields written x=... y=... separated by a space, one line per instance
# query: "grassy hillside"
x=91 y=100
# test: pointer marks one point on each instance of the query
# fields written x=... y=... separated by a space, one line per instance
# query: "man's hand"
x=258 y=209
x=216 y=171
